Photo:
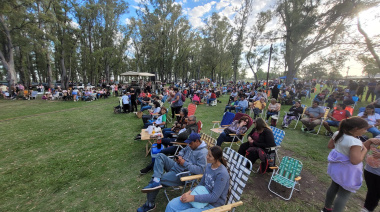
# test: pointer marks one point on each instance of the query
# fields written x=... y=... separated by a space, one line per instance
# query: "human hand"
x=187 y=197
x=250 y=140
x=180 y=160
x=375 y=141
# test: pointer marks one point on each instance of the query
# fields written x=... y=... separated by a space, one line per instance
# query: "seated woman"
x=178 y=125
x=160 y=121
x=237 y=127
x=153 y=113
x=372 y=118
x=293 y=114
x=212 y=97
x=273 y=108
x=216 y=181
x=260 y=138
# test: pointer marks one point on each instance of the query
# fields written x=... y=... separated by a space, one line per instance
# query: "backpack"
x=183 y=98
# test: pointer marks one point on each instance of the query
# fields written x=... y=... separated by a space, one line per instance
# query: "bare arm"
x=331 y=144
x=357 y=154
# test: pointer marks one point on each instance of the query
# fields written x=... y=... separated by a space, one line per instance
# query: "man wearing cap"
x=191 y=158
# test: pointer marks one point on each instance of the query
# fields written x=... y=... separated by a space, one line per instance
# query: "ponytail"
x=217 y=153
x=347 y=125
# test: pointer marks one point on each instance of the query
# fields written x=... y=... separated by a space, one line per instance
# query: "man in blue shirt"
x=243 y=105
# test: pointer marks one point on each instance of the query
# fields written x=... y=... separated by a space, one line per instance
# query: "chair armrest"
x=225 y=207
x=176 y=114
x=297 y=178
x=216 y=121
x=273 y=167
x=225 y=125
x=179 y=143
x=238 y=135
x=191 y=177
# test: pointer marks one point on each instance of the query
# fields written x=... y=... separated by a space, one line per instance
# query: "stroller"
x=118 y=108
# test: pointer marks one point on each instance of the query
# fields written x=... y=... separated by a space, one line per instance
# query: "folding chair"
x=240 y=138
x=214 y=103
x=300 y=116
x=239 y=174
x=33 y=95
x=327 y=110
x=278 y=137
x=287 y=175
x=226 y=120
x=355 y=99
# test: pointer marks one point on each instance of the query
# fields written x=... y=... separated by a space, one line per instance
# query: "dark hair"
x=365 y=115
x=342 y=105
x=316 y=102
x=175 y=89
x=156 y=104
x=184 y=111
x=217 y=153
x=243 y=118
x=260 y=124
x=163 y=108
x=346 y=125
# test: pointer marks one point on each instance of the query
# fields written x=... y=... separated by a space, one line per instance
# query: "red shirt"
x=213 y=96
x=339 y=115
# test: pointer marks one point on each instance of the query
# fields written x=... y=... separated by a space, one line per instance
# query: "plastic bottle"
x=159 y=144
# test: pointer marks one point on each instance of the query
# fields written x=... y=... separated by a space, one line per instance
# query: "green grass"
x=80 y=156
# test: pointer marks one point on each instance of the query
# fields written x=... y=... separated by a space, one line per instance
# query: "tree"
x=369 y=65
x=311 y=26
x=370 y=47
x=241 y=20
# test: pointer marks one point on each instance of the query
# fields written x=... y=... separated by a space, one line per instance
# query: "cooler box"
x=154 y=151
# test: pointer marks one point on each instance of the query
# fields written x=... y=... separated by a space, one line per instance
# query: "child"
x=345 y=163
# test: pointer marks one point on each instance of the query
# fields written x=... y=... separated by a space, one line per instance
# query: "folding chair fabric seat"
x=287 y=175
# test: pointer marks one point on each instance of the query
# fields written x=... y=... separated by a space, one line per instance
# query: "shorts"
x=74 y=93
x=333 y=123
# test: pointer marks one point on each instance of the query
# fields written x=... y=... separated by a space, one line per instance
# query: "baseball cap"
x=192 y=137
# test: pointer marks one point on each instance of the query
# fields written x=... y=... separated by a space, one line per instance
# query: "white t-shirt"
x=370 y=119
x=344 y=144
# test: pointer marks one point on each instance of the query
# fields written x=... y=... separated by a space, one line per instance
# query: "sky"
x=199 y=10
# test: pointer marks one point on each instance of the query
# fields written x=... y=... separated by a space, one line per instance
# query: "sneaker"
x=285 y=126
x=145 y=170
x=146 y=208
x=151 y=187
x=304 y=129
x=329 y=134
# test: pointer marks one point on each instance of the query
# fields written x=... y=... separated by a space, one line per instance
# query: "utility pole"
x=270 y=55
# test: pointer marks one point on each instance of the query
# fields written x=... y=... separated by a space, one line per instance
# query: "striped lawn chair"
x=278 y=137
x=287 y=175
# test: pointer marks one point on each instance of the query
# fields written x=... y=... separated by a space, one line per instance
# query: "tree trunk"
x=369 y=43
x=8 y=62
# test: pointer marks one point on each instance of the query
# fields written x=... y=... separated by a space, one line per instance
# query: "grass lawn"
x=80 y=156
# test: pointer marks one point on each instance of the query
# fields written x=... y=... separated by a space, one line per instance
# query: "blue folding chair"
x=278 y=137
x=226 y=120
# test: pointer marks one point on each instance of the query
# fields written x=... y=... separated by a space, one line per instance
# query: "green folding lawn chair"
x=287 y=175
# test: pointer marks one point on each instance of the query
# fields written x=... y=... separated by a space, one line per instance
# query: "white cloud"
x=222 y=4
x=201 y=10
x=127 y=21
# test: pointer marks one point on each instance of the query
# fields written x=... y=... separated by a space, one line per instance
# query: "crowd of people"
x=348 y=143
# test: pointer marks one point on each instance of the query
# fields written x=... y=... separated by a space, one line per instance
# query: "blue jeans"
x=223 y=137
x=176 y=205
x=146 y=107
x=242 y=109
x=168 y=178
x=210 y=100
x=374 y=131
x=227 y=108
x=167 y=132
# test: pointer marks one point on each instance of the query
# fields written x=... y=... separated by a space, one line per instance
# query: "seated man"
x=314 y=115
x=320 y=98
x=192 y=158
x=258 y=106
x=242 y=105
x=235 y=102
x=182 y=136
x=336 y=116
